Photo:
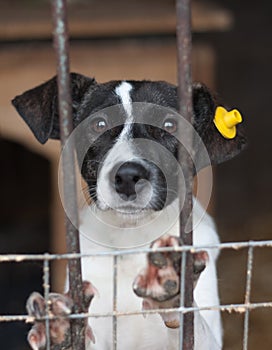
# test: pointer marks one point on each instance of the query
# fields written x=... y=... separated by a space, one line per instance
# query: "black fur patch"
x=38 y=107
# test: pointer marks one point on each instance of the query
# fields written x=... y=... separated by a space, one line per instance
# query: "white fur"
x=123 y=92
x=137 y=332
x=122 y=151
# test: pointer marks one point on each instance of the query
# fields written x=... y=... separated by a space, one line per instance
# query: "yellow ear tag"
x=226 y=121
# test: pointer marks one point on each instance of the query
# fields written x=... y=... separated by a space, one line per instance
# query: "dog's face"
x=133 y=130
x=125 y=167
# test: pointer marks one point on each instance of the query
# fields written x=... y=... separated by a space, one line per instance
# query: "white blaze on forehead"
x=123 y=91
x=121 y=152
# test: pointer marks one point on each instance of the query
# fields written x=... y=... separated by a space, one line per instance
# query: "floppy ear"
x=219 y=148
x=39 y=106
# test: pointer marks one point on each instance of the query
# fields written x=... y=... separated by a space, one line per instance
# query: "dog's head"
x=133 y=129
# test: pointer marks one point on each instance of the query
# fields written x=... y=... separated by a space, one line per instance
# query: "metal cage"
x=186 y=309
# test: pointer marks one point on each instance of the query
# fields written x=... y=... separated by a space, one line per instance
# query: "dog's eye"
x=99 y=125
x=170 y=125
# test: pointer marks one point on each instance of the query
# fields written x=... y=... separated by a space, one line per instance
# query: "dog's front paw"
x=159 y=283
x=60 y=306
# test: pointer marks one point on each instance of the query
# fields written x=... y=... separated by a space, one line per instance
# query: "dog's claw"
x=59 y=305
x=159 y=283
x=35 y=305
x=36 y=337
x=200 y=262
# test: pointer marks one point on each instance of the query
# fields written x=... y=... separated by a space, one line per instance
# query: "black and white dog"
x=130 y=128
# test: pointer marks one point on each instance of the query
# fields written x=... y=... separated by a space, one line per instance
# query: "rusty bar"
x=184 y=43
x=247 y=295
x=182 y=295
x=60 y=35
x=230 y=308
x=114 y=318
x=18 y=258
x=46 y=288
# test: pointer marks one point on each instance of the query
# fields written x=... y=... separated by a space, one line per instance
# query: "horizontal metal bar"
x=239 y=308
x=222 y=246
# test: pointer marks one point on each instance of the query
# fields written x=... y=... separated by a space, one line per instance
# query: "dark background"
x=244 y=79
x=244 y=189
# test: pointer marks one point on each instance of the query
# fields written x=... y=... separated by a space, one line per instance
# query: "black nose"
x=127 y=176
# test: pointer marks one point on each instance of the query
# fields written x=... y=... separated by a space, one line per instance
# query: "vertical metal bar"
x=46 y=288
x=184 y=43
x=60 y=34
x=247 y=295
x=182 y=295
x=114 y=319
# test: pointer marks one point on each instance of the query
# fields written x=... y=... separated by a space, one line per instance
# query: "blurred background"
x=135 y=39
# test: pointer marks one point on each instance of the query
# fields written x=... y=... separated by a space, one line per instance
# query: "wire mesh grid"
x=241 y=308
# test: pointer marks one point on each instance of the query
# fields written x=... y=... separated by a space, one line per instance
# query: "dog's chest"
x=134 y=332
x=137 y=332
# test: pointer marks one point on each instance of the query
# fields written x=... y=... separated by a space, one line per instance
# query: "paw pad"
x=59 y=306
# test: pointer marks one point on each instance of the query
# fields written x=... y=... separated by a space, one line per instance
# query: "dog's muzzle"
x=129 y=179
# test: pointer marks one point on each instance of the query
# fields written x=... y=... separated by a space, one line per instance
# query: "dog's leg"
x=159 y=283
x=60 y=306
x=159 y=286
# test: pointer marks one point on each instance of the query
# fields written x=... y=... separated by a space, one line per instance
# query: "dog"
x=131 y=173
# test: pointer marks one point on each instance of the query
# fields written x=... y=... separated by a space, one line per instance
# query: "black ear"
x=219 y=148
x=39 y=106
